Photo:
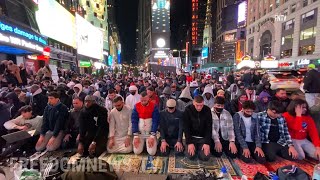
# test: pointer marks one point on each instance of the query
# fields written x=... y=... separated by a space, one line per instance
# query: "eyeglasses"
x=171 y=108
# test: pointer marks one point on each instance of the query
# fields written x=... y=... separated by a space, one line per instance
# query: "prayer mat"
x=154 y=165
x=306 y=165
x=179 y=165
x=250 y=170
x=123 y=162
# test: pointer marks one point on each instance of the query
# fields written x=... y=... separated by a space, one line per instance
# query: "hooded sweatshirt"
x=132 y=100
x=208 y=102
x=260 y=105
x=80 y=94
x=185 y=99
x=236 y=106
x=233 y=94
x=164 y=98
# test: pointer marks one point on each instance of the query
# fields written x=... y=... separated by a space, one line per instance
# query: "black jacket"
x=93 y=121
x=54 y=119
x=171 y=126
x=312 y=82
x=38 y=104
x=197 y=124
x=234 y=106
x=285 y=103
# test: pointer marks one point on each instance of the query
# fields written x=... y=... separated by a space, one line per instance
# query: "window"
x=305 y=50
x=293 y=8
x=254 y=19
x=286 y=53
x=277 y=3
x=253 y=29
x=88 y=3
x=308 y=33
x=314 y=1
x=286 y=39
x=305 y=3
x=308 y=16
x=97 y=5
x=285 y=1
x=285 y=11
x=289 y=24
x=95 y=14
x=270 y=8
x=264 y=12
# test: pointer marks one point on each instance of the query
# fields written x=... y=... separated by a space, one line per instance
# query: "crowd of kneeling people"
x=196 y=129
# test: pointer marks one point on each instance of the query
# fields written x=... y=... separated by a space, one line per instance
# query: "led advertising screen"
x=89 y=39
x=56 y=22
x=204 y=52
x=242 y=11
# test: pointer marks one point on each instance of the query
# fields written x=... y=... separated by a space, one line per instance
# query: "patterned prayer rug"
x=250 y=170
x=123 y=162
x=179 y=165
x=154 y=165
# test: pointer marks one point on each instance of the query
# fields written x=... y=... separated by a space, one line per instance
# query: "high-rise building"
x=224 y=46
x=143 y=32
x=160 y=36
x=207 y=34
x=288 y=30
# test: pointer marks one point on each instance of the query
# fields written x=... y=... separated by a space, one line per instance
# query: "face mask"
x=246 y=115
x=219 y=110
x=133 y=93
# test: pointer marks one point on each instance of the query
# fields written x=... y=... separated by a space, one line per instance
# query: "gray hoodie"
x=208 y=102
x=185 y=99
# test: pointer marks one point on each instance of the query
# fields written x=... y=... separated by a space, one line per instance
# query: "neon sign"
x=11 y=29
x=194 y=27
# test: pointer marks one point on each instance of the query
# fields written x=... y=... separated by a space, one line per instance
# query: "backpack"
x=291 y=172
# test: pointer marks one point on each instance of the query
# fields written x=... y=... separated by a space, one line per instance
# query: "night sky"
x=127 y=15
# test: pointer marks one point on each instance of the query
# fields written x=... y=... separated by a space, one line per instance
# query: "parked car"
x=283 y=79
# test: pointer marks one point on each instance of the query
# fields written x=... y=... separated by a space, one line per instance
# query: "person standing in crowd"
x=246 y=127
x=23 y=74
x=265 y=87
x=26 y=121
x=145 y=121
x=236 y=104
x=93 y=128
x=153 y=95
x=134 y=97
x=47 y=73
x=38 y=101
x=174 y=92
x=109 y=99
x=15 y=104
x=275 y=137
x=233 y=90
x=120 y=92
x=120 y=128
x=312 y=85
x=15 y=70
x=230 y=78
x=197 y=125
x=222 y=130
x=208 y=96
x=71 y=137
x=78 y=92
x=166 y=95
x=247 y=78
x=185 y=99
x=301 y=126
x=160 y=88
x=53 y=125
x=171 y=129
x=281 y=95
x=262 y=102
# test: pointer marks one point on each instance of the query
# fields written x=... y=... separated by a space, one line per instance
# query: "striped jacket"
x=265 y=122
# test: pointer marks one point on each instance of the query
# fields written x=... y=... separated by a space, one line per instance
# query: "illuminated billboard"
x=56 y=22
x=160 y=15
x=89 y=39
x=204 y=52
x=242 y=13
x=230 y=37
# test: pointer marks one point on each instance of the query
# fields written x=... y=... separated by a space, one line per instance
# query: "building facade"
x=286 y=29
x=143 y=32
